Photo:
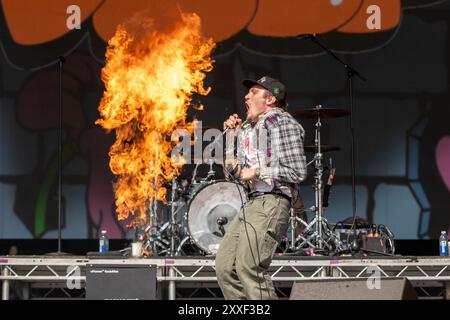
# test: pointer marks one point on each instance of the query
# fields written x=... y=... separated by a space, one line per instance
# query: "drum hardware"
x=221 y=221
x=212 y=145
x=295 y=222
x=160 y=237
x=173 y=224
x=211 y=172
x=317 y=233
x=154 y=242
x=194 y=174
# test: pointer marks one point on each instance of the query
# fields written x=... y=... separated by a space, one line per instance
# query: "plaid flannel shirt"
x=280 y=158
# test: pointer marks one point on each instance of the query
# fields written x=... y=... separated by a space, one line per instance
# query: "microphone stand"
x=350 y=72
x=61 y=61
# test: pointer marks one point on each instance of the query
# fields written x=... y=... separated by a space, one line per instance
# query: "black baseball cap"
x=274 y=86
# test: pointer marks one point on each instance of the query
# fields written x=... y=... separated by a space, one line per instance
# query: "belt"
x=276 y=193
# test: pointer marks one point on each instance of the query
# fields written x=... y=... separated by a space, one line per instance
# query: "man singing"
x=271 y=163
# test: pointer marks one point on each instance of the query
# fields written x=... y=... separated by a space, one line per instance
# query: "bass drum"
x=212 y=201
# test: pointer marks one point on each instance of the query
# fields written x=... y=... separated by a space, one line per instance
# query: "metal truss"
x=194 y=277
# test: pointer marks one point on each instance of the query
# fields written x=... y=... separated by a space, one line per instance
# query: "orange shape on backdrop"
x=114 y=12
x=390 y=12
x=285 y=18
x=221 y=19
x=32 y=22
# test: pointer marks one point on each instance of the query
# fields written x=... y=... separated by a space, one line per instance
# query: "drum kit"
x=203 y=204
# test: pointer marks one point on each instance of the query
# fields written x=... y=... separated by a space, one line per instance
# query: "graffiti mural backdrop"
x=401 y=112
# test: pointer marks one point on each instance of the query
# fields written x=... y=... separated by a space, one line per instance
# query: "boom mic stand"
x=350 y=72
x=61 y=61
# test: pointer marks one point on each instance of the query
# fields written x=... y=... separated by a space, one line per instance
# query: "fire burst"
x=150 y=76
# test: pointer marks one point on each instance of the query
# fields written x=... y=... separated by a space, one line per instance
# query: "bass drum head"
x=218 y=199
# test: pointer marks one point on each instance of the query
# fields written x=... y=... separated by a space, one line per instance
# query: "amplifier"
x=120 y=282
x=366 y=240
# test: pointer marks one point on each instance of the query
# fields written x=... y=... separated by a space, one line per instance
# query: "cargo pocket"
x=267 y=250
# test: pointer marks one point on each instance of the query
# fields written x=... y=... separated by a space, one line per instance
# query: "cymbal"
x=310 y=113
x=323 y=148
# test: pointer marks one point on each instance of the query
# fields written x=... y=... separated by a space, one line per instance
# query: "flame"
x=150 y=76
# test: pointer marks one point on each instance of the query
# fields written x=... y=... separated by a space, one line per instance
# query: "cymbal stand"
x=317 y=208
x=211 y=172
x=154 y=229
x=177 y=217
x=317 y=234
x=173 y=231
x=211 y=146
x=295 y=221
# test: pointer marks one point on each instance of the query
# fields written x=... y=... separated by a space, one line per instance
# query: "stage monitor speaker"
x=354 y=289
x=120 y=282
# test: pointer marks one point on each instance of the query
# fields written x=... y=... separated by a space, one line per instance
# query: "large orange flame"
x=150 y=76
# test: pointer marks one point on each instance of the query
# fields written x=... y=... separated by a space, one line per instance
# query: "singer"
x=271 y=171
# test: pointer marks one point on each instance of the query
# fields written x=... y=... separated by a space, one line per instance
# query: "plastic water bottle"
x=103 y=242
x=443 y=244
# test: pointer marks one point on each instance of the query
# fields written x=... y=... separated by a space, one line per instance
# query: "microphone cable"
x=238 y=183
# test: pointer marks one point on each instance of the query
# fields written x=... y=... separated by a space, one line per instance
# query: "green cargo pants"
x=247 y=249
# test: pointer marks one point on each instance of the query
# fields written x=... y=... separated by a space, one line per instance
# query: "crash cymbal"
x=310 y=113
x=323 y=148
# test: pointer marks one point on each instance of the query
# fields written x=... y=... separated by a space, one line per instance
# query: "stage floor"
x=186 y=277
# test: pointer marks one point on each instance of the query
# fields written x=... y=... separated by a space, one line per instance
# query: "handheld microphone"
x=247 y=121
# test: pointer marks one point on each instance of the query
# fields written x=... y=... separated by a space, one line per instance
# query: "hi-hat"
x=310 y=113
x=323 y=148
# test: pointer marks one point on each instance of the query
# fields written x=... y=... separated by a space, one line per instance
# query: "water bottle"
x=103 y=242
x=443 y=244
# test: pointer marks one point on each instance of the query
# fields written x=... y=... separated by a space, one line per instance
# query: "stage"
x=46 y=277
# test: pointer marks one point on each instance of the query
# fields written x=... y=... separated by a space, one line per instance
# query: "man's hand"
x=247 y=174
x=232 y=122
